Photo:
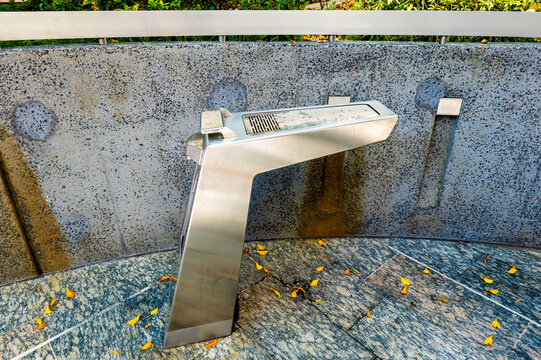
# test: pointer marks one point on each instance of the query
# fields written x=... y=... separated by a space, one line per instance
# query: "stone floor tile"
x=20 y=339
x=249 y=274
x=15 y=306
x=43 y=353
x=94 y=293
x=97 y=339
x=465 y=315
x=237 y=346
x=343 y=298
x=523 y=285
x=156 y=297
x=290 y=328
x=293 y=261
x=134 y=274
x=448 y=257
x=529 y=346
x=526 y=258
x=394 y=331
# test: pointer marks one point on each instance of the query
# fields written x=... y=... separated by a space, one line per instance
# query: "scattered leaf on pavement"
x=154 y=311
x=314 y=282
x=70 y=293
x=492 y=291
x=486 y=259
x=262 y=252
x=404 y=281
x=114 y=352
x=211 y=344
x=147 y=326
x=487 y=280
x=294 y=293
x=276 y=292
x=496 y=324
x=261 y=247
x=134 y=320
x=319 y=268
x=426 y=271
x=488 y=341
x=321 y=243
x=512 y=270
x=346 y=272
x=404 y=291
x=443 y=300
x=164 y=278
x=147 y=345
x=368 y=313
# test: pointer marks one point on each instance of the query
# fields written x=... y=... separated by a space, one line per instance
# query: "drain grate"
x=260 y=123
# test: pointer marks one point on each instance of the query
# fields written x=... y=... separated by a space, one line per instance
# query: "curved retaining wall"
x=92 y=141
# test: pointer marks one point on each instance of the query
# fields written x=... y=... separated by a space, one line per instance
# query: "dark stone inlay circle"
x=429 y=93
x=76 y=229
x=35 y=120
x=229 y=94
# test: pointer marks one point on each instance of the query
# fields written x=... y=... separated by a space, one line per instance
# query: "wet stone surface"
x=359 y=315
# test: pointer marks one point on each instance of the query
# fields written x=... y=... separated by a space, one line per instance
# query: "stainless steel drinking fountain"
x=229 y=151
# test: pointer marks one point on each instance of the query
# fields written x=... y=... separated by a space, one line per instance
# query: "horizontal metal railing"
x=107 y=24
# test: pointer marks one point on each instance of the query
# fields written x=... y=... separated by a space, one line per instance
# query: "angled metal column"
x=230 y=150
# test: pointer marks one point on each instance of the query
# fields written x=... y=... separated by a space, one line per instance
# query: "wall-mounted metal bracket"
x=449 y=106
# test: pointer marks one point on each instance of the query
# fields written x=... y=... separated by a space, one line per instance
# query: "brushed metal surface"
x=110 y=24
x=215 y=222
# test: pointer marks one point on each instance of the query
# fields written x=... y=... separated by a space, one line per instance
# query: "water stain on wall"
x=41 y=229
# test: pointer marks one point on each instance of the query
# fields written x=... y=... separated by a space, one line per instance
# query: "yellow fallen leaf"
x=321 y=243
x=319 y=268
x=154 y=311
x=426 y=271
x=174 y=279
x=261 y=247
x=443 y=300
x=147 y=345
x=39 y=321
x=368 y=313
x=486 y=259
x=145 y=43
x=211 y=344
x=164 y=278
x=357 y=271
x=48 y=310
x=267 y=271
x=134 y=320
x=257 y=266
x=292 y=41
x=294 y=293
x=496 y=324
x=299 y=288
x=276 y=292
x=53 y=303
x=484 y=41
x=487 y=280
x=404 y=291
x=512 y=270
x=262 y=252
x=147 y=326
x=314 y=282
x=70 y=293
x=517 y=300
x=404 y=281
x=346 y=272
x=114 y=351
x=492 y=291
x=40 y=326
x=317 y=300
x=488 y=341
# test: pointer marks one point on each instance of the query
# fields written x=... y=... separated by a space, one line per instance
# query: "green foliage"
x=462 y=5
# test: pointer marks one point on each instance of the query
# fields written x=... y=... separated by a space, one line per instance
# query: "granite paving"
x=355 y=311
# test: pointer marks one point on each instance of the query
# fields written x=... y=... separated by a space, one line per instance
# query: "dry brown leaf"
x=346 y=272
x=512 y=270
x=496 y=324
x=426 y=271
x=487 y=280
x=294 y=293
x=317 y=300
x=70 y=293
x=486 y=259
x=114 y=352
x=211 y=344
x=314 y=282
x=368 y=313
x=164 y=279
x=154 y=311
x=134 y=320
x=488 y=341
x=492 y=291
x=276 y=292
x=147 y=326
x=443 y=300
x=262 y=252
x=404 y=291
x=261 y=247
x=321 y=243
x=147 y=345
x=319 y=268
x=404 y=281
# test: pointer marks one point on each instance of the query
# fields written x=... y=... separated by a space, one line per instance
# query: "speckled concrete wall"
x=104 y=129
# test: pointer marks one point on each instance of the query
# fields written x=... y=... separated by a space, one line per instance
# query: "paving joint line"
x=466 y=287
x=382 y=265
